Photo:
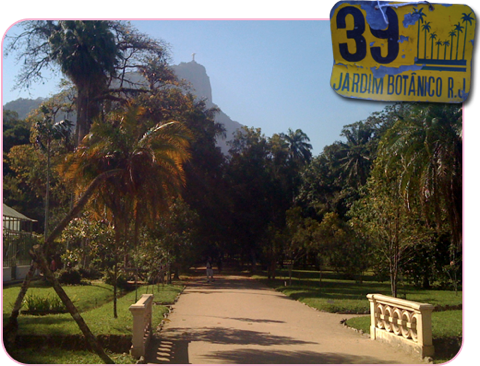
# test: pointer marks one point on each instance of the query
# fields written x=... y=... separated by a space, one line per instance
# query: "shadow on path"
x=162 y=351
x=278 y=332
x=176 y=352
x=229 y=336
x=251 y=356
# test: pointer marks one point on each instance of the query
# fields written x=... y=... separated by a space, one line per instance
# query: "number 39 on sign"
x=402 y=51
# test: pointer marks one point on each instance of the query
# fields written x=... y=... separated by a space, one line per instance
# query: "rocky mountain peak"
x=196 y=75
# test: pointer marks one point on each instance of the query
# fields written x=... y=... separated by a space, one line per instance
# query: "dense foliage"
x=387 y=197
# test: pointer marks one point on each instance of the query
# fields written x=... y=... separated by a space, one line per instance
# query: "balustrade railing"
x=403 y=322
x=142 y=325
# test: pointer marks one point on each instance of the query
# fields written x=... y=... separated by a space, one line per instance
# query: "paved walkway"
x=237 y=320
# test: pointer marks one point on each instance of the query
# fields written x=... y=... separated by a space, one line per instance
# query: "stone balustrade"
x=402 y=322
x=142 y=325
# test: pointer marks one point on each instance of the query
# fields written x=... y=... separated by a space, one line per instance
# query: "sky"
x=271 y=74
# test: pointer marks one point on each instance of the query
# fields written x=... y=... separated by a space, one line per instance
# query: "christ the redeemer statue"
x=193 y=57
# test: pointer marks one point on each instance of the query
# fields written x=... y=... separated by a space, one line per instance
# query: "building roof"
x=10 y=212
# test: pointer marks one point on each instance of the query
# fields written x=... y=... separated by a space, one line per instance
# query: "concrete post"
x=142 y=324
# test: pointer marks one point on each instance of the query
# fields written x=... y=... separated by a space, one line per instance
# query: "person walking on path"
x=209 y=270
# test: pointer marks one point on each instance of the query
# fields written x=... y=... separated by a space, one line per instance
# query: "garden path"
x=237 y=320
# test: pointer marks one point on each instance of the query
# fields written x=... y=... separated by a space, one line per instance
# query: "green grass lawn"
x=94 y=302
x=336 y=295
x=96 y=306
x=56 y=356
x=446 y=332
x=85 y=297
x=444 y=324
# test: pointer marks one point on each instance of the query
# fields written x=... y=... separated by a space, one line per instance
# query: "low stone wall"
x=401 y=322
x=15 y=273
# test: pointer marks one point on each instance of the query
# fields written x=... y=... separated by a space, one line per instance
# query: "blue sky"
x=272 y=74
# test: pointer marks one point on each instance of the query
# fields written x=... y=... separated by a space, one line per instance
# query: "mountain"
x=196 y=75
x=23 y=106
x=192 y=72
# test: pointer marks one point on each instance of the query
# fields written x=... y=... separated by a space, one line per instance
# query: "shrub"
x=69 y=276
x=109 y=279
x=91 y=273
x=36 y=303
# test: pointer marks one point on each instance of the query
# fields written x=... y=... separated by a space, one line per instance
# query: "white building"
x=17 y=241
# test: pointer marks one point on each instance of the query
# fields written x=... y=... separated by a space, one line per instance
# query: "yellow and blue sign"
x=402 y=51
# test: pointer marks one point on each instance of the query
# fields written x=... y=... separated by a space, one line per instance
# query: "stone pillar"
x=373 y=320
x=424 y=323
x=142 y=322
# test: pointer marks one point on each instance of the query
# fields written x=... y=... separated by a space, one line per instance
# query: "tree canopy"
x=387 y=196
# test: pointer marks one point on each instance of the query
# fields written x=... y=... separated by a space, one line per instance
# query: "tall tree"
x=427 y=141
x=321 y=184
x=299 y=146
x=45 y=132
x=99 y=57
x=150 y=161
x=358 y=152
x=39 y=261
x=86 y=53
x=386 y=223
x=250 y=188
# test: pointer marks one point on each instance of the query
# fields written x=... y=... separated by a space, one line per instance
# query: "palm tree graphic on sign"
x=466 y=18
x=432 y=61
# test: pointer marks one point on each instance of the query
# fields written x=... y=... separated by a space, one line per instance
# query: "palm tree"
x=426 y=27
x=95 y=56
x=298 y=146
x=438 y=43
x=138 y=146
x=427 y=143
x=150 y=160
x=466 y=19
x=458 y=29
x=446 y=44
x=87 y=53
x=433 y=36
x=452 y=34
x=10 y=329
x=356 y=161
x=420 y=14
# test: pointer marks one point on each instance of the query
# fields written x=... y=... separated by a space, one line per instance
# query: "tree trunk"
x=10 y=329
x=81 y=128
x=89 y=336
x=394 y=287
x=115 y=275
x=272 y=268
x=393 y=278
x=78 y=207
x=12 y=326
x=47 y=190
x=136 y=233
x=290 y=268
x=115 y=266
x=319 y=264
x=88 y=107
